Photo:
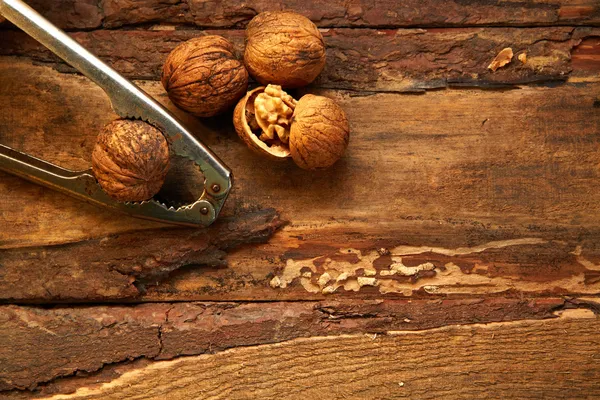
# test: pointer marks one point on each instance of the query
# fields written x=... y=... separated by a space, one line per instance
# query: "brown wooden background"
x=453 y=252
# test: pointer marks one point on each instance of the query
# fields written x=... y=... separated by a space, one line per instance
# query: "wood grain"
x=84 y=340
x=119 y=267
x=445 y=256
x=402 y=60
x=477 y=192
x=86 y=14
x=536 y=359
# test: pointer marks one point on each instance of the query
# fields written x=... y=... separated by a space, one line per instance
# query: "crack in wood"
x=129 y=374
x=411 y=60
x=179 y=329
x=125 y=265
x=116 y=14
x=95 y=337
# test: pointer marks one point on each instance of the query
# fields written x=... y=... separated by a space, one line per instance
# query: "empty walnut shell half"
x=284 y=48
x=313 y=131
x=203 y=77
x=130 y=160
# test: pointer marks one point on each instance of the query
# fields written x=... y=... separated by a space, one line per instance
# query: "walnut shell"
x=203 y=77
x=284 y=48
x=130 y=160
x=247 y=128
x=319 y=132
x=315 y=135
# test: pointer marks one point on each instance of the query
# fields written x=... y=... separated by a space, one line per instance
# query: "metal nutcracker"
x=128 y=101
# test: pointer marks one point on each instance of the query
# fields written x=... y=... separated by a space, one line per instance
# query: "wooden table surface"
x=454 y=252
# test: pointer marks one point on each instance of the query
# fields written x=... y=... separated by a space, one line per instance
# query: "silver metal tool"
x=128 y=101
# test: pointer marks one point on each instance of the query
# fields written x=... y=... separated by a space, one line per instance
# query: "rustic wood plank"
x=70 y=14
x=119 y=267
x=451 y=207
x=86 y=14
x=536 y=359
x=83 y=340
x=586 y=56
x=477 y=192
x=376 y=60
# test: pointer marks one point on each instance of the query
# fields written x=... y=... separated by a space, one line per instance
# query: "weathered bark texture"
x=360 y=59
x=89 y=14
x=119 y=267
x=90 y=338
x=477 y=192
x=553 y=358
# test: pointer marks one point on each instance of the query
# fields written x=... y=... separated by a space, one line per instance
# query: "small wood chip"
x=503 y=58
x=523 y=57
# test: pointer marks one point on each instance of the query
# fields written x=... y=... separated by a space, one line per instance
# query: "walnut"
x=203 y=77
x=319 y=133
x=130 y=160
x=274 y=109
x=313 y=131
x=248 y=128
x=284 y=48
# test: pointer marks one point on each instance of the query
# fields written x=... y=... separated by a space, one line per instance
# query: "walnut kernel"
x=522 y=57
x=246 y=122
x=313 y=131
x=274 y=109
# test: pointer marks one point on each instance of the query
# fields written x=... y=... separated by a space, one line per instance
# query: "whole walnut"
x=284 y=48
x=319 y=132
x=203 y=77
x=313 y=131
x=130 y=160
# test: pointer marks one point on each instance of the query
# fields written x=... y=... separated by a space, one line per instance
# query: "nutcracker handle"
x=42 y=30
x=127 y=99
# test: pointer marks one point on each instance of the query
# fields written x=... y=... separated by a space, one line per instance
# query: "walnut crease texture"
x=319 y=132
x=125 y=266
x=130 y=160
x=284 y=48
x=203 y=76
